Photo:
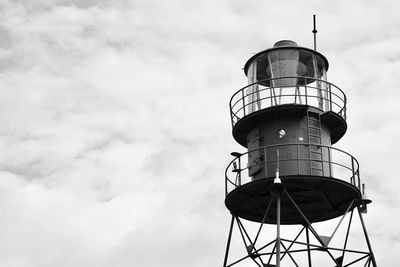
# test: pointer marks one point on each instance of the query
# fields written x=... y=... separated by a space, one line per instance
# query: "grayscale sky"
x=115 y=131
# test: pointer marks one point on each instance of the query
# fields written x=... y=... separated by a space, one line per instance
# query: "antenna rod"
x=315 y=32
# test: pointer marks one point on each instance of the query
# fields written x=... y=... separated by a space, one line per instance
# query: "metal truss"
x=262 y=254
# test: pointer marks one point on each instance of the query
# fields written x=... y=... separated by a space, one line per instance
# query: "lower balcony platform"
x=323 y=187
x=319 y=198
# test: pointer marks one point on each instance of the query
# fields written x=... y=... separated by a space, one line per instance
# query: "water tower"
x=288 y=117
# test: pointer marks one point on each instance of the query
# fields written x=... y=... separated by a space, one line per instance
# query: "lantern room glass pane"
x=283 y=63
x=289 y=62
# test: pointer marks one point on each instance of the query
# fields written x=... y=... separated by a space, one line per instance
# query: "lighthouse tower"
x=288 y=117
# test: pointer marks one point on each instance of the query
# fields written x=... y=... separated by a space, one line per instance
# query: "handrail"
x=313 y=92
x=337 y=163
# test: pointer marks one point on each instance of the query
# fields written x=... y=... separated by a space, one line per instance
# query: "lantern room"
x=286 y=59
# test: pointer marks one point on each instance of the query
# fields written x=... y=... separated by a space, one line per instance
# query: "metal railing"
x=272 y=92
x=335 y=163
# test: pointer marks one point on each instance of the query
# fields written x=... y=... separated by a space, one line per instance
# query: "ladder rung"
x=319 y=153
x=313 y=119
x=316 y=161
x=320 y=159
x=312 y=127
x=317 y=164
x=316 y=169
x=313 y=152
x=314 y=135
x=311 y=112
x=317 y=145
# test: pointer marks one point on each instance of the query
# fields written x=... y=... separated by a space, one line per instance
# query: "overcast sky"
x=115 y=131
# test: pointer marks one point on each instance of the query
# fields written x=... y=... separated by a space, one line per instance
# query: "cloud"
x=114 y=125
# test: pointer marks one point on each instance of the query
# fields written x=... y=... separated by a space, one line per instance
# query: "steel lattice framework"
x=262 y=254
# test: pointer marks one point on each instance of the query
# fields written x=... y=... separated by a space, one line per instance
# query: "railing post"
x=305 y=88
x=353 y=178
x=330 y=97
x=244 y=103
x=270 y=96
x=230 y=107
x=226 y=184
x=344 y=107
x=240 y=171
x=329 y=161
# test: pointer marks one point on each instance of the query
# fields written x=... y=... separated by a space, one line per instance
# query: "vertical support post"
x=258 y=97
x=240 y=172
x=244 y=103
x=344 y=107
x=270 y=94
x=372 y=257
x=278 y=230
x=329 y=162
x=274 y=93
x=229 y=241
x=232 y=117
x=226 y=186
x=330 y=97
x=305 y=89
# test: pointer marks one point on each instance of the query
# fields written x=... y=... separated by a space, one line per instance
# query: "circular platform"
x=319 y=198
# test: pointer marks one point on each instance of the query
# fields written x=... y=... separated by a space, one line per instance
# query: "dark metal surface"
x=249 y=201
x=335 y=123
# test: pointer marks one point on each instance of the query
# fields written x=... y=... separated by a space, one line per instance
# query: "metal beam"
x=228 y=244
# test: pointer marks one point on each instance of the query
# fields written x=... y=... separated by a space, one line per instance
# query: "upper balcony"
x=267 y=93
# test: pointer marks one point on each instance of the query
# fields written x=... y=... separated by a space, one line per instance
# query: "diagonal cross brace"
x=310 y=226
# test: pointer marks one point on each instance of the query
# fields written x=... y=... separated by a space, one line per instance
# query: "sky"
x=115 y=129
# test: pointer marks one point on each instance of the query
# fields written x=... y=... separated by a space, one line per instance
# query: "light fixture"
x=281 y=133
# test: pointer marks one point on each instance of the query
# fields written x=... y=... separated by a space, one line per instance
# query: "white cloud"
x=114 y=126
